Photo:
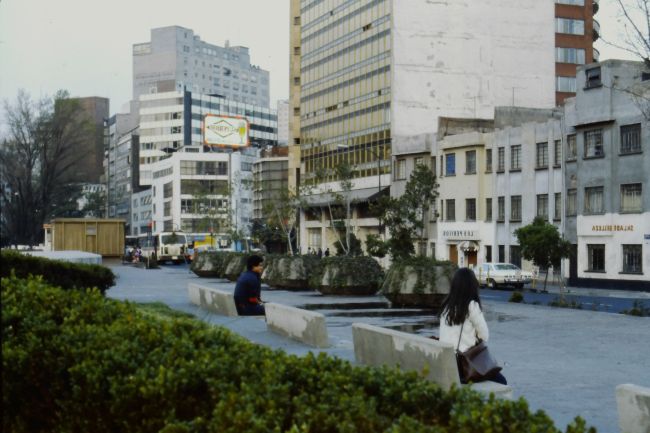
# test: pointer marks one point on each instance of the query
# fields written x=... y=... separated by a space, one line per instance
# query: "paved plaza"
x=566 y=362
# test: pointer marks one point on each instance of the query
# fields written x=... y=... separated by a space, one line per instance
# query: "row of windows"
x=189 y=168
x=632 y=255
x=630 y=202
x=569 y=26
x=630 y=142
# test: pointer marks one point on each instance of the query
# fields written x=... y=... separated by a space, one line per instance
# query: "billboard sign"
x=225 y=131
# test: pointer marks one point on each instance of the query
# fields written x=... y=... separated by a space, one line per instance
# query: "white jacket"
x=474 y=326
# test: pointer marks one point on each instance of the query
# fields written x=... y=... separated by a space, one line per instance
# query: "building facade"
x=173 y=121
x=176 y=59
x=203 y=192
x=89 y=167
x=368 y=79
x=608 y=175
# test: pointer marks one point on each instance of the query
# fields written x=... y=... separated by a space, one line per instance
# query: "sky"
x=84 y=46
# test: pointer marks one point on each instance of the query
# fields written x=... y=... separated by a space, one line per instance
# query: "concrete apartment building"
x=576 y=30
x=270 y=179
x=369 y=81
x=608 y=175
x=176 y=59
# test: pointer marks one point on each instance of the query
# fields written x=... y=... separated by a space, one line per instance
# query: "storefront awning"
x=467 y=246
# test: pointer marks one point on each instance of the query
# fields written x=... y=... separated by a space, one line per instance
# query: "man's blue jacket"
x=248 y=289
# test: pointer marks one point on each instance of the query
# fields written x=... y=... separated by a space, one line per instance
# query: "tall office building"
x=369 y=80
x=89 y=168
x=576 y=30
x=177 y=59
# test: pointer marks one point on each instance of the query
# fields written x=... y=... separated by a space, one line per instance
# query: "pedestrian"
x=461 y=312
x=327 y=252
x=309 y=251
x=320 y=253
x=248 y=290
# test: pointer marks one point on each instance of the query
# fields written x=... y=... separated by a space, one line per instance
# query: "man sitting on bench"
x=248 y=289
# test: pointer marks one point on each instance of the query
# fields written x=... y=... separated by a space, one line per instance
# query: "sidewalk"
x=566 y=362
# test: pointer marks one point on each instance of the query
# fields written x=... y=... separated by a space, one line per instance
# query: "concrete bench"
x=378 y=346
x=303 y=325
x=633 y=408
x=214 y=300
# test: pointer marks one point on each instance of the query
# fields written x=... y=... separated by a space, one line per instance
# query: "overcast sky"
x=84 y=46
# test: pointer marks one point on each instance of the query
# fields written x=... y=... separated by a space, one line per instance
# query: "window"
x=501 y=209
x=488 y=161
x=566 y=84
x=571 y=202
x=592 y=78
x=596 y=257
x=470 y=209
x=557 y=207
x=451 y=210
x=632 y=255
x=515 y=157
x=631 y=197
x=400 y=169
x=594 y=144
x=515 y=208
x=501 y=159
x=167 y=190
x=470 y=162
x=541 y=161
x=502 y=253
x=571 y=148
x=570 y=55
x=542 y=205
x=488 y=209
x=515 y=255
x=314 y=238
x=594 y=200
x=630 y=139
x=557 y=153
x=488 y=253
x=569 y=26
x=167 y=208
x=450 y=164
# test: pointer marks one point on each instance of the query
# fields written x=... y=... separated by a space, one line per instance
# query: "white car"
x=501 y=274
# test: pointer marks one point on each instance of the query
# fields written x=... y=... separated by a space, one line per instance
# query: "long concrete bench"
x=214 y=300
x=633 y=408
x=303 y=325
x=378 y=346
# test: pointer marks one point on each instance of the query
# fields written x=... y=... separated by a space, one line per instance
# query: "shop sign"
x=612 y=228
x=459 y=234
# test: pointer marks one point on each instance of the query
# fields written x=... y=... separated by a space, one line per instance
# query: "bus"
x=164 y=246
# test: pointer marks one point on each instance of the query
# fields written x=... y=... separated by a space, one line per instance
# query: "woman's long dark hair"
x=463 y=290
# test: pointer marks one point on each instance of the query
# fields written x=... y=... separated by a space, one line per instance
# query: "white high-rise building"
x=177 y=59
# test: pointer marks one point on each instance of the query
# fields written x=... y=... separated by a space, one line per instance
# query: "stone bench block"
x=303 y=325
x=214 y=300
x=633 y=403
x=378 y=346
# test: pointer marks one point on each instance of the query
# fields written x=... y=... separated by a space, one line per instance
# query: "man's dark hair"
x=253 y=261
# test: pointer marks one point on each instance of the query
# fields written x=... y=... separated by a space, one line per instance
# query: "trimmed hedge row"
x=56 y=272
x=76 y=361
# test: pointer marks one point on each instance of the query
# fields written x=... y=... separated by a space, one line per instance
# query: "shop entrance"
x=471 y=258
x=453 y=254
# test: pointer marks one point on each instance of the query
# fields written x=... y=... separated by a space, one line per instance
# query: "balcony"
x=595 y=6
x=596 y=31
x=596 y=55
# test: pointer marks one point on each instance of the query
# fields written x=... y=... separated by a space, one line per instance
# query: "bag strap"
x=460 y=335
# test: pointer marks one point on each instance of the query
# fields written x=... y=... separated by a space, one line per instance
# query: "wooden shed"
x=99 y=236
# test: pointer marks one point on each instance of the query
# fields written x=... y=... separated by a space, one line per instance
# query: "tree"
x=405 y=216
x=95 y=204
x=282 y=213
x=37 y=162
x=542 y=244
x=341 y=213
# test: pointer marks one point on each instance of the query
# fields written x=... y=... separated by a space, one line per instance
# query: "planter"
x=210 y=264
x=289 y=272
x=418 y=282
x=348 y=276
x=235 y=265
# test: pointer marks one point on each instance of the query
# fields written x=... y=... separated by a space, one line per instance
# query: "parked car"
x=494 y=275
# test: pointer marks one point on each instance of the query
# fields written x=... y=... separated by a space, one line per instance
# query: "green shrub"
x=348 y=275
x=565 y=302
x=58 y=273
x=517 y=297
x=638 y=309
x=76 y=361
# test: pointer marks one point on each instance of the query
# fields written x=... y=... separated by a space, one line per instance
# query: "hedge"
x=76 y=361
x=67 y=275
